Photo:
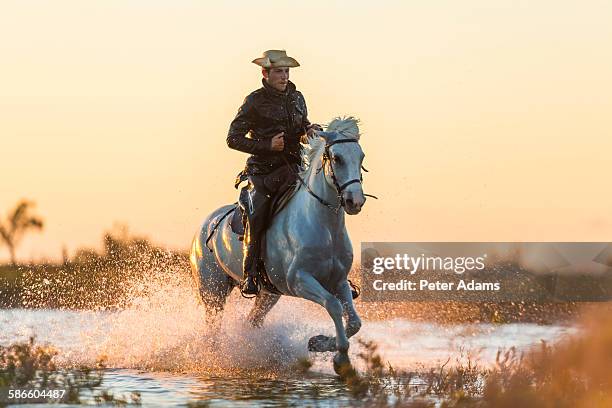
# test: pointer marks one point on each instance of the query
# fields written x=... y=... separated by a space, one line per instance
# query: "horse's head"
x=342 y=163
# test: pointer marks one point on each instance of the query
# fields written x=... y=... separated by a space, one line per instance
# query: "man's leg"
x=257 y=206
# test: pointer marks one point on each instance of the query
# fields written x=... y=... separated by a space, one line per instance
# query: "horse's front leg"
x=353 y=322
x=307 y=287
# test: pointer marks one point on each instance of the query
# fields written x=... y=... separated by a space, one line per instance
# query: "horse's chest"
x=335 y=261
x=333 y=272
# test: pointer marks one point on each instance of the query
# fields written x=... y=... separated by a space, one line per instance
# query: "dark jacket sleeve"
x=240 y=126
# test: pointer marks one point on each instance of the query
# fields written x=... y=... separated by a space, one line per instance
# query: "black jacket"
x=265 y=113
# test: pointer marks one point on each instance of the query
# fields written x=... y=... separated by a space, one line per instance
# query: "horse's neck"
x=313 y=208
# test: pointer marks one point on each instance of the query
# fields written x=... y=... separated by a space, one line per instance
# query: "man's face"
x=277 y=78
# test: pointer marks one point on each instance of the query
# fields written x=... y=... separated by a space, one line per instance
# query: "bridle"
x=339 y=187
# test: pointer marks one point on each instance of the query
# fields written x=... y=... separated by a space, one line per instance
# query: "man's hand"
x=310 y=130
x=278 y=142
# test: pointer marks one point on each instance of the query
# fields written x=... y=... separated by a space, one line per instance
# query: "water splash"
x=162 y=327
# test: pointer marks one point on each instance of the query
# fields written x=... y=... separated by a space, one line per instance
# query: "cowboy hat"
x=275 y=59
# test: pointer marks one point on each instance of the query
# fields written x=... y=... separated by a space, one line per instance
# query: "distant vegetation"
x=110 y=278
x=122 y=270
x=90 y=279
x=17 y=223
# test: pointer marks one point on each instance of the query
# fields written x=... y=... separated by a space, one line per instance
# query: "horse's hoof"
x=342 y=365
x=321 y=343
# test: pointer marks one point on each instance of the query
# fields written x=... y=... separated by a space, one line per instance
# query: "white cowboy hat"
x=275 y=59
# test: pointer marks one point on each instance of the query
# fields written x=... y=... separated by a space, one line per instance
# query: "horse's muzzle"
x=353 y=202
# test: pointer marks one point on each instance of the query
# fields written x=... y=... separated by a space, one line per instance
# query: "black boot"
x=249 y=284
x=257 y=204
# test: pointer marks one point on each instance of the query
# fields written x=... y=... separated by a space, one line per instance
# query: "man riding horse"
x=276 y=118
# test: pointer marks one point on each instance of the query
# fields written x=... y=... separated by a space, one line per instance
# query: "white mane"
x=345 y=127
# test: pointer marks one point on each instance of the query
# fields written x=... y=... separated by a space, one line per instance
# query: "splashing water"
x=162 y=344
x=164 y=328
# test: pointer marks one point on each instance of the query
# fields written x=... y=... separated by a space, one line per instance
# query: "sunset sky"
x=481 y=121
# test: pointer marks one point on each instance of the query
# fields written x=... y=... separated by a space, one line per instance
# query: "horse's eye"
x=337 y=159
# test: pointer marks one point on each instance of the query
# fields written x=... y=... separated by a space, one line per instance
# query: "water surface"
x=164 y=347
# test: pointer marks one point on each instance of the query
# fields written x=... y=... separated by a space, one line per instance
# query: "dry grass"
x=572 y=373
x=575 y=372
x=30 y=366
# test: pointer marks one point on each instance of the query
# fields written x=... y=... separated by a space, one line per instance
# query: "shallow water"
x=163 y=347
x=171 y=359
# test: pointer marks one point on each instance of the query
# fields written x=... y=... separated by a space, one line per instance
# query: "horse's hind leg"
x=213 y=284
x=263 y=304
x=353 y=322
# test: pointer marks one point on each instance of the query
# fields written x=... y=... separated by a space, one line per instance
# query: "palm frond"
x=4 y=234
x=20 y=211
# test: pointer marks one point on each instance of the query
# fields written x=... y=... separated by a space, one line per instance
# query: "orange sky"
x=482 y=120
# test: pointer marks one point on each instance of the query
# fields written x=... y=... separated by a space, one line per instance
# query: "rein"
x=339 y=188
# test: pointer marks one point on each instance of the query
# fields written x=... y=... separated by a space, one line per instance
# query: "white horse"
x=308 y=252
